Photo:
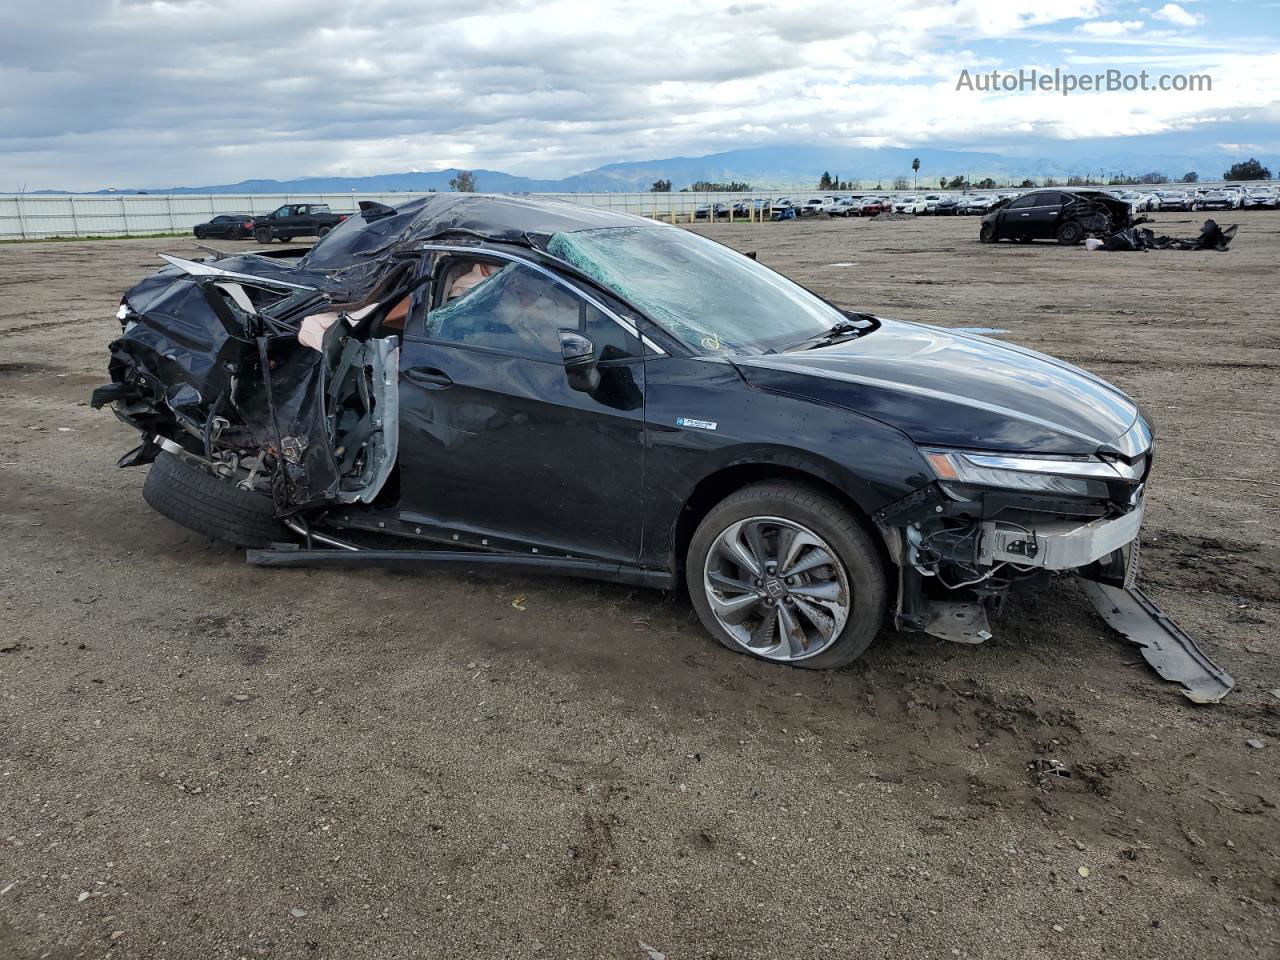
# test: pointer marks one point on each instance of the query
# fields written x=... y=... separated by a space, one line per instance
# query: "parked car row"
x=1170 y=199
x=283 y=223
x=852 y=205
x=1231 y=196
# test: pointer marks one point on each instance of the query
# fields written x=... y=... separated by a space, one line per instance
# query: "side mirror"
x=580 y=358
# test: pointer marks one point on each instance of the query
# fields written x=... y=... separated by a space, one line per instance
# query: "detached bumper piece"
x=1163 y=644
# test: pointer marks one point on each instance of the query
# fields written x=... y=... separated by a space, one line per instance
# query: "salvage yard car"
x=1175 y=200
x=551 y=388
x=1067 y=216
x=1216 y=200
x=976 y=204
x=227 y=226
x=1259 y=198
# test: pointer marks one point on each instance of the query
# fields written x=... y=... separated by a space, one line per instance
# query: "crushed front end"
x=989 y=521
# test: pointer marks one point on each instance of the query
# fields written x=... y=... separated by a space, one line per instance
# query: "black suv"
x=1067 y=216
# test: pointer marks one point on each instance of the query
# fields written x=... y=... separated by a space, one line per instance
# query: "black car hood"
x=953 y=389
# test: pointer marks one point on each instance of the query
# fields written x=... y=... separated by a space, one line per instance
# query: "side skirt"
x=291 y=555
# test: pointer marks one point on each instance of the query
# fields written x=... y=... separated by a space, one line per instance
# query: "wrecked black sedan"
x=1067 y=216
x=503 y=382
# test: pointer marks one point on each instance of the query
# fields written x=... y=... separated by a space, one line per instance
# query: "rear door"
x=1046 y=214
x=500 y=437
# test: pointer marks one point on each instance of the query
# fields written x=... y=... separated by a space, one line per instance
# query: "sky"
x=152 y=93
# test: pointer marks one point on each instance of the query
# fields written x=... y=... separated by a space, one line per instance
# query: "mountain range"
x=781 y=167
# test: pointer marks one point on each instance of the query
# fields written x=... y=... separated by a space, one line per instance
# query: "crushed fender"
x=1163 y=644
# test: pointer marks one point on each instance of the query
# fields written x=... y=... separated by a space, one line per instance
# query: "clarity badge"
x=696 y=424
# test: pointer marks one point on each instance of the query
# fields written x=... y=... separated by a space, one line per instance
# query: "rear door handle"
x=432 y=378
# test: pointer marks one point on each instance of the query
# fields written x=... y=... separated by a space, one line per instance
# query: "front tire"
x=323 y=231
x=211 y=506
x=199 y=232
x=783 y=572
x=987 y=233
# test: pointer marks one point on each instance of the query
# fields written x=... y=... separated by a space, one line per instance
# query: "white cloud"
x=1179 y=16
x=156 y=93
x=1111 y=28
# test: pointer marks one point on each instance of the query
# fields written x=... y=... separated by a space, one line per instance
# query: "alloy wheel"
x=777 y=588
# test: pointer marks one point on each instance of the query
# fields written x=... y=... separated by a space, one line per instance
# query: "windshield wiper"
x=844 y=328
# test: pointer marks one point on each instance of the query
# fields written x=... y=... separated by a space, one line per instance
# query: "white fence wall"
x=33 y=216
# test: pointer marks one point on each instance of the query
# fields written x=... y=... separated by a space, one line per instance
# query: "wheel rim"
x=777 y=588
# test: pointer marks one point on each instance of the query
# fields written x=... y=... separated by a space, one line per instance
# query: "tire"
x=1069 y=233
x=236 y=233
x=323 y=231
x=987 y=233
x=211 y=507
x=262 y=234
x=856 y=578
x=199 y=232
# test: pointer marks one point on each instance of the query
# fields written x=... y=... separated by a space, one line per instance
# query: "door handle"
x=432 y=378
x=1024 y=214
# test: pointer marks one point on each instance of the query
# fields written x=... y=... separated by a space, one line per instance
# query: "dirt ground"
x=200 y=759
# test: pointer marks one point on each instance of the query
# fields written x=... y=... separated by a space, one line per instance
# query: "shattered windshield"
x=709 y=296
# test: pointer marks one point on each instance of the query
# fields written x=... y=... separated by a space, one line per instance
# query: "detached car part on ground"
x=1212 y=237
x=1067 y=216
x=633 y=402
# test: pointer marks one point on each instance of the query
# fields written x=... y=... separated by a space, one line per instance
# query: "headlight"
x=1079 y=477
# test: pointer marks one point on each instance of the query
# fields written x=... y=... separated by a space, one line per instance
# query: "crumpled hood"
x=953 y=389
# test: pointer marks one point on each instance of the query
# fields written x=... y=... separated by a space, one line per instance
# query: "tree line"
x=1251 y=169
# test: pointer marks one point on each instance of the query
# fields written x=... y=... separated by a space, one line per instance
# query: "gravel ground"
x=199 y=759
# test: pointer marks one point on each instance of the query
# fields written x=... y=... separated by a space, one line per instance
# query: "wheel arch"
x=732 y=477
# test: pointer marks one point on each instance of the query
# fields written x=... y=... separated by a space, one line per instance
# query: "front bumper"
x=1057 y=544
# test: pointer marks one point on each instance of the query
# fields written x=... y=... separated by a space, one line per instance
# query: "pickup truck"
x=296 y=220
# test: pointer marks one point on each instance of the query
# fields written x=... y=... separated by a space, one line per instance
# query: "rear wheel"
x=236 y=233
x=782 y=572
x=262 y=234
x=1069 y=233
x=211 y=506
x=323 y=231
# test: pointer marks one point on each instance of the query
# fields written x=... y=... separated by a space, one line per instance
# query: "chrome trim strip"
x=503 y=255
x=1070 y=468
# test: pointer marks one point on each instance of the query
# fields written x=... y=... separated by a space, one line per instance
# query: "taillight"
x=248 y=224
